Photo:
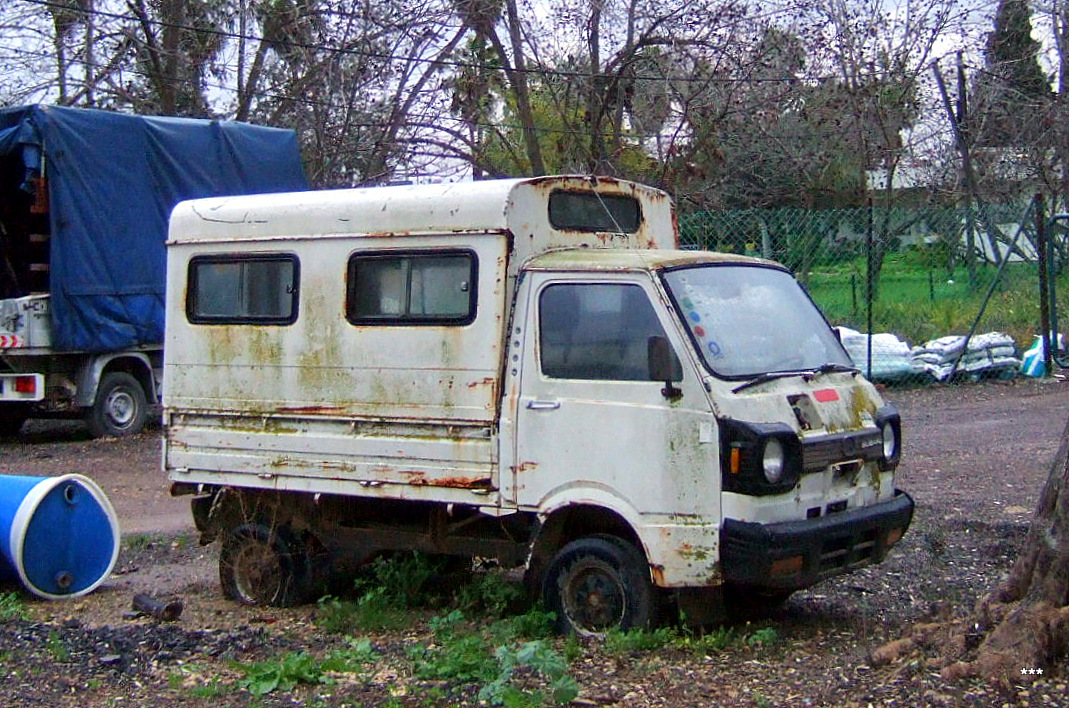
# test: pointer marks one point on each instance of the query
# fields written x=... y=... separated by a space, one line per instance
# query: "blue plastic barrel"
x=58 y=535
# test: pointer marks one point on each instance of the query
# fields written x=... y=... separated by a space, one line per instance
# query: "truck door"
x=590 y=425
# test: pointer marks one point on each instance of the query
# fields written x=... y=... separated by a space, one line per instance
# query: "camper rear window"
x=239 y=289
x=411 y=288
x=590 y=211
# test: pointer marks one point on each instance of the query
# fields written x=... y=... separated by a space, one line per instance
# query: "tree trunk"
x=1027 y=614
x=1023 y=625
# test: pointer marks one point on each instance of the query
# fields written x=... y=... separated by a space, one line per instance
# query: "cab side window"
x=596 y=331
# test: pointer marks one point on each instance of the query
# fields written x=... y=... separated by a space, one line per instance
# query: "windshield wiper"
x=829 y=368
x=768 y=376
x=807 y=374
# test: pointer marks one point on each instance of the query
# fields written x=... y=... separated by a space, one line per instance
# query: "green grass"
x=478 y=640
x=640 y=641
x=287 y=671
x=918 y=303
x=461 y=654
x=142 y=541
x=56 y=648
x=12 y=606
x=391 y=588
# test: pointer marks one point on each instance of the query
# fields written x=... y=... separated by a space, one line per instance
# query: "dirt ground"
x=975 y=458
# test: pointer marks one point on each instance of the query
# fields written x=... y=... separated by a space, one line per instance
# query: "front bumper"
x=796 y=554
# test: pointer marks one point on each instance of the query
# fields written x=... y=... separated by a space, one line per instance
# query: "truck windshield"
x=748 y=320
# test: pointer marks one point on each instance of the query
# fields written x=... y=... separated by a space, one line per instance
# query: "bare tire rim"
x=120 y=408
x=593 y=598
x=257 y=573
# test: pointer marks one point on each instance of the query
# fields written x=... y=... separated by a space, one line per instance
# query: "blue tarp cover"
x=113 y=180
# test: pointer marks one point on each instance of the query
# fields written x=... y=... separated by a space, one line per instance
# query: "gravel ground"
x=975 y=459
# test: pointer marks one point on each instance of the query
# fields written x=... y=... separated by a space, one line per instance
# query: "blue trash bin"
x=59 y=536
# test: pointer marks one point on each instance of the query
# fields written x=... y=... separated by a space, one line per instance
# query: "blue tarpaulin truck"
x=85 y=196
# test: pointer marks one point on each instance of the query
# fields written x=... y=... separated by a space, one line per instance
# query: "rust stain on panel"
x=418 y=478
x=310 y=410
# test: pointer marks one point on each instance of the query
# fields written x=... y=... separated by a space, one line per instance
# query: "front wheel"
x=120 y=408
x=598 y=584
x=264 y=566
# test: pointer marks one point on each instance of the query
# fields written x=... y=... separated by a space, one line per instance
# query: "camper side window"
x=411 y=288
x=596 y=332
x=239 y=289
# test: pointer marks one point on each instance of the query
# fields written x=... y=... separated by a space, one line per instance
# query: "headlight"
x=772 y=461
x=759 y=458
x=890 y=441
x=890 y=424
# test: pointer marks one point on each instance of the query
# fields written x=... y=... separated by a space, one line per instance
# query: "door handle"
x=543 y=405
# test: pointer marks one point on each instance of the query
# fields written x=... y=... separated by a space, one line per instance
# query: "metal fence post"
x=870 y=291
x=1044 y=291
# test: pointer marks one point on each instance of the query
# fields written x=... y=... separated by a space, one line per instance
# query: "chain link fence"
x=920 y=294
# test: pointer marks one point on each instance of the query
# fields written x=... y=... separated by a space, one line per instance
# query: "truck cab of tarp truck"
x=525 y=369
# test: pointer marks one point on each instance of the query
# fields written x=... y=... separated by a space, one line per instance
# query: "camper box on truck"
x=527 y=370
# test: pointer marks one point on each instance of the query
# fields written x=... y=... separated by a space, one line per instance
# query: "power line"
x=386 y=56
x=458 y=121
x=304 y=100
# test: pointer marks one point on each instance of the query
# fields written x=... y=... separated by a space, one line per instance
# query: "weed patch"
x=637 y=641
x=293 y=668
x=489 y=593
x=620 y=642
x=462 y=655
x=12 y=606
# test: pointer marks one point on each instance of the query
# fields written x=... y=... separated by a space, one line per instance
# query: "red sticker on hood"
x=826 y=395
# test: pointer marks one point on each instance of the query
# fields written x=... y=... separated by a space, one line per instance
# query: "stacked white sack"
x=989 y=353
x=890 y=355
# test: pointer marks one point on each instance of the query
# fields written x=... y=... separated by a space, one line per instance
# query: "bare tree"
x=580 y=107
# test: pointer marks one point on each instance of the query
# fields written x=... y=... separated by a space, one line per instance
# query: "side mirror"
x=664 y=366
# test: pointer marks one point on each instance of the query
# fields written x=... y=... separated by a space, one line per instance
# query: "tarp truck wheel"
x=121 y=407
x=12 y=416
x=595 y=585
x=263 y=566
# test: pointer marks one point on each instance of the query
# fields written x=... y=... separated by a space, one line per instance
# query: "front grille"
x=820 y=453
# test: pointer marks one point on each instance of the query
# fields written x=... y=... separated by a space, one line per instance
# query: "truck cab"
x=529 y=370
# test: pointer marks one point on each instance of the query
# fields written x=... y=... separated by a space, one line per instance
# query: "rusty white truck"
x=528 y=370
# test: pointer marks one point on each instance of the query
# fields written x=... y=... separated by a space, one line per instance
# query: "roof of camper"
x=456 y=207
x=609 y=259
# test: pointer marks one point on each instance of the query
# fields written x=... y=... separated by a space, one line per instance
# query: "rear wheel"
x=263 y=566
x=121 y=407
x=598 y=584
x=12 y=416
